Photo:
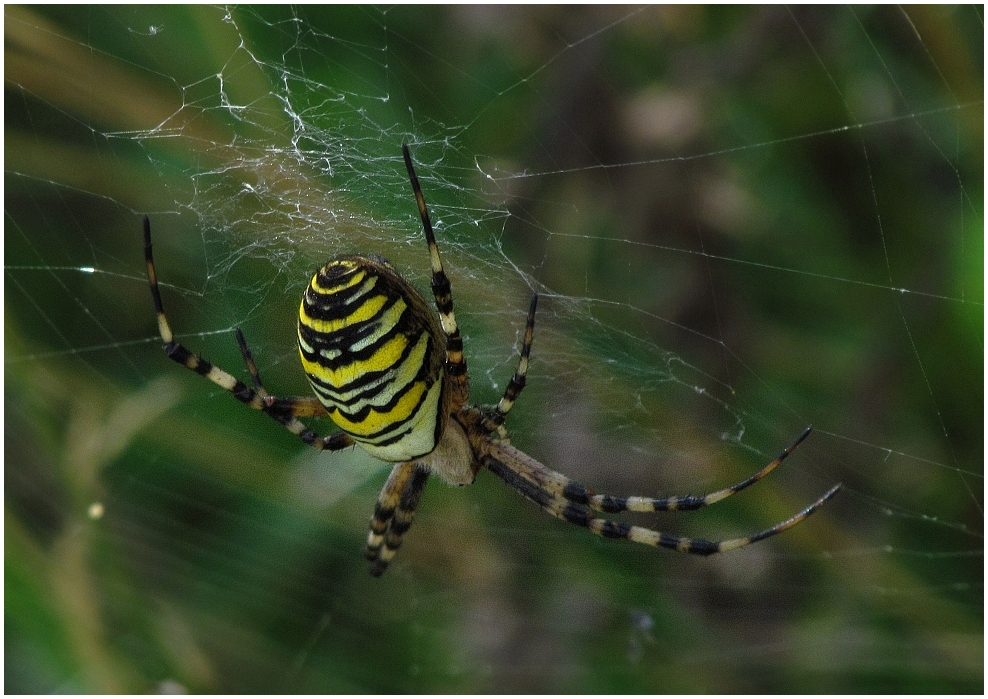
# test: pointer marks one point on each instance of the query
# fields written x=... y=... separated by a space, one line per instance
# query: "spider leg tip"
x=799 y=440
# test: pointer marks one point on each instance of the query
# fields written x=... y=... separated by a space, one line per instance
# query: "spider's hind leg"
x=575 y=492
x=542 y=486
x=393 y=514
x=567 y=489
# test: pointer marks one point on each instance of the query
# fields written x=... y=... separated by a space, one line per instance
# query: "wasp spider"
x=391 y=374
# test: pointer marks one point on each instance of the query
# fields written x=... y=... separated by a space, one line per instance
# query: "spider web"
x=740 y=221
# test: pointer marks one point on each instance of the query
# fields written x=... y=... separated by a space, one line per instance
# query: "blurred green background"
x=742 y=220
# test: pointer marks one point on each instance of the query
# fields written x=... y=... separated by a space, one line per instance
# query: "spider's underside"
x=392 y=376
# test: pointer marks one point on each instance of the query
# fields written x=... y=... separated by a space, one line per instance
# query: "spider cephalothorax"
x=391 y=375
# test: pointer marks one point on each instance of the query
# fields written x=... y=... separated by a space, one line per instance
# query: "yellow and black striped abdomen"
x=373 y=351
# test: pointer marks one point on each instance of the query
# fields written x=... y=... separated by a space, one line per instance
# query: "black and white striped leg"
x=284 y=410
x=494 y=419
x=456 y=363
x=608 y=503
x=560 y=486
x=296 y=406
x=516 y=468
x=393 y=514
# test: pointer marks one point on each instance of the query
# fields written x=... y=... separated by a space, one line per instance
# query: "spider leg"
x=608 y=503
x=456 y=363
x=517 y=383
x=283 y=410
x=515 y=468
x=248 y=356
x=393 y=514
x=570 y=490
x=296 y=406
